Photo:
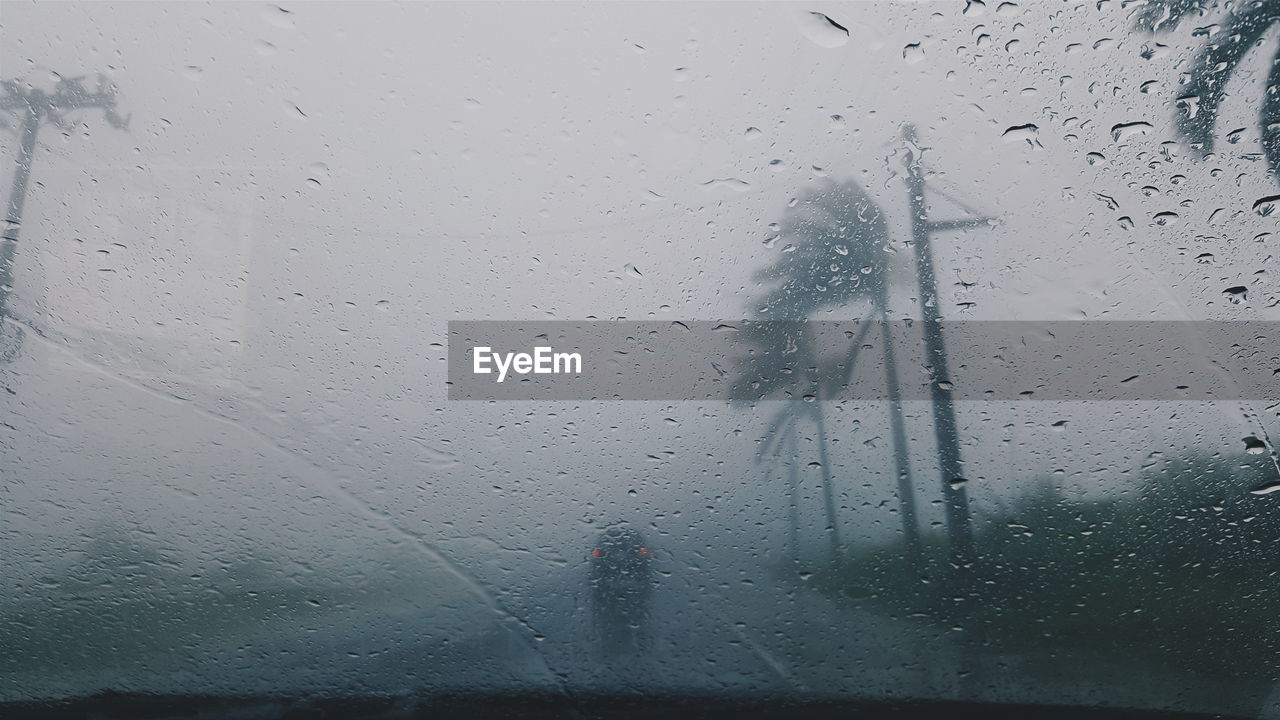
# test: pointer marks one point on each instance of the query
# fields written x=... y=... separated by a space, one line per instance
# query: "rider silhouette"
x=621 y=581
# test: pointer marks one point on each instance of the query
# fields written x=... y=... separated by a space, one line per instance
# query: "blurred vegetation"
x=1179 y=572
x=125 y=598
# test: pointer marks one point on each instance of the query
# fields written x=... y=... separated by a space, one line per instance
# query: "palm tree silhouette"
x=835 y=253
x=1219 y=58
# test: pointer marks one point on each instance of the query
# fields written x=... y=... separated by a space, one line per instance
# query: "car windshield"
x=826 y=353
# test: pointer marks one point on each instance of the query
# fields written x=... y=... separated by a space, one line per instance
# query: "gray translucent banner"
x=750 y=361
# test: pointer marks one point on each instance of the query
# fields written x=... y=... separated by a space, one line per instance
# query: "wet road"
x=345 y=588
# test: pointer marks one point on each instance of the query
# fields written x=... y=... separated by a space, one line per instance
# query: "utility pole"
x=35 y=106
x=955 y=499
x=898 y=433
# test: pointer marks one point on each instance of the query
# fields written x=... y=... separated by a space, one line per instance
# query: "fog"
x=232 y=322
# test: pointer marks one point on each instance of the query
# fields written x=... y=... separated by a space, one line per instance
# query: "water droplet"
x=1266 y=488
x=823 y=31
x=731 y=183
x=1123 y=131
x=1267 y=205
x=1237 y=294
x=1029 y=133
x=1188 y=104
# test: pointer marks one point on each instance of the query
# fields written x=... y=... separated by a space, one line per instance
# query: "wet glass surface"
x=236 y=234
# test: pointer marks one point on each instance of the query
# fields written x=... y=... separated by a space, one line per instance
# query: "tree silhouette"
x=1219 y=58
x=834 y=253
